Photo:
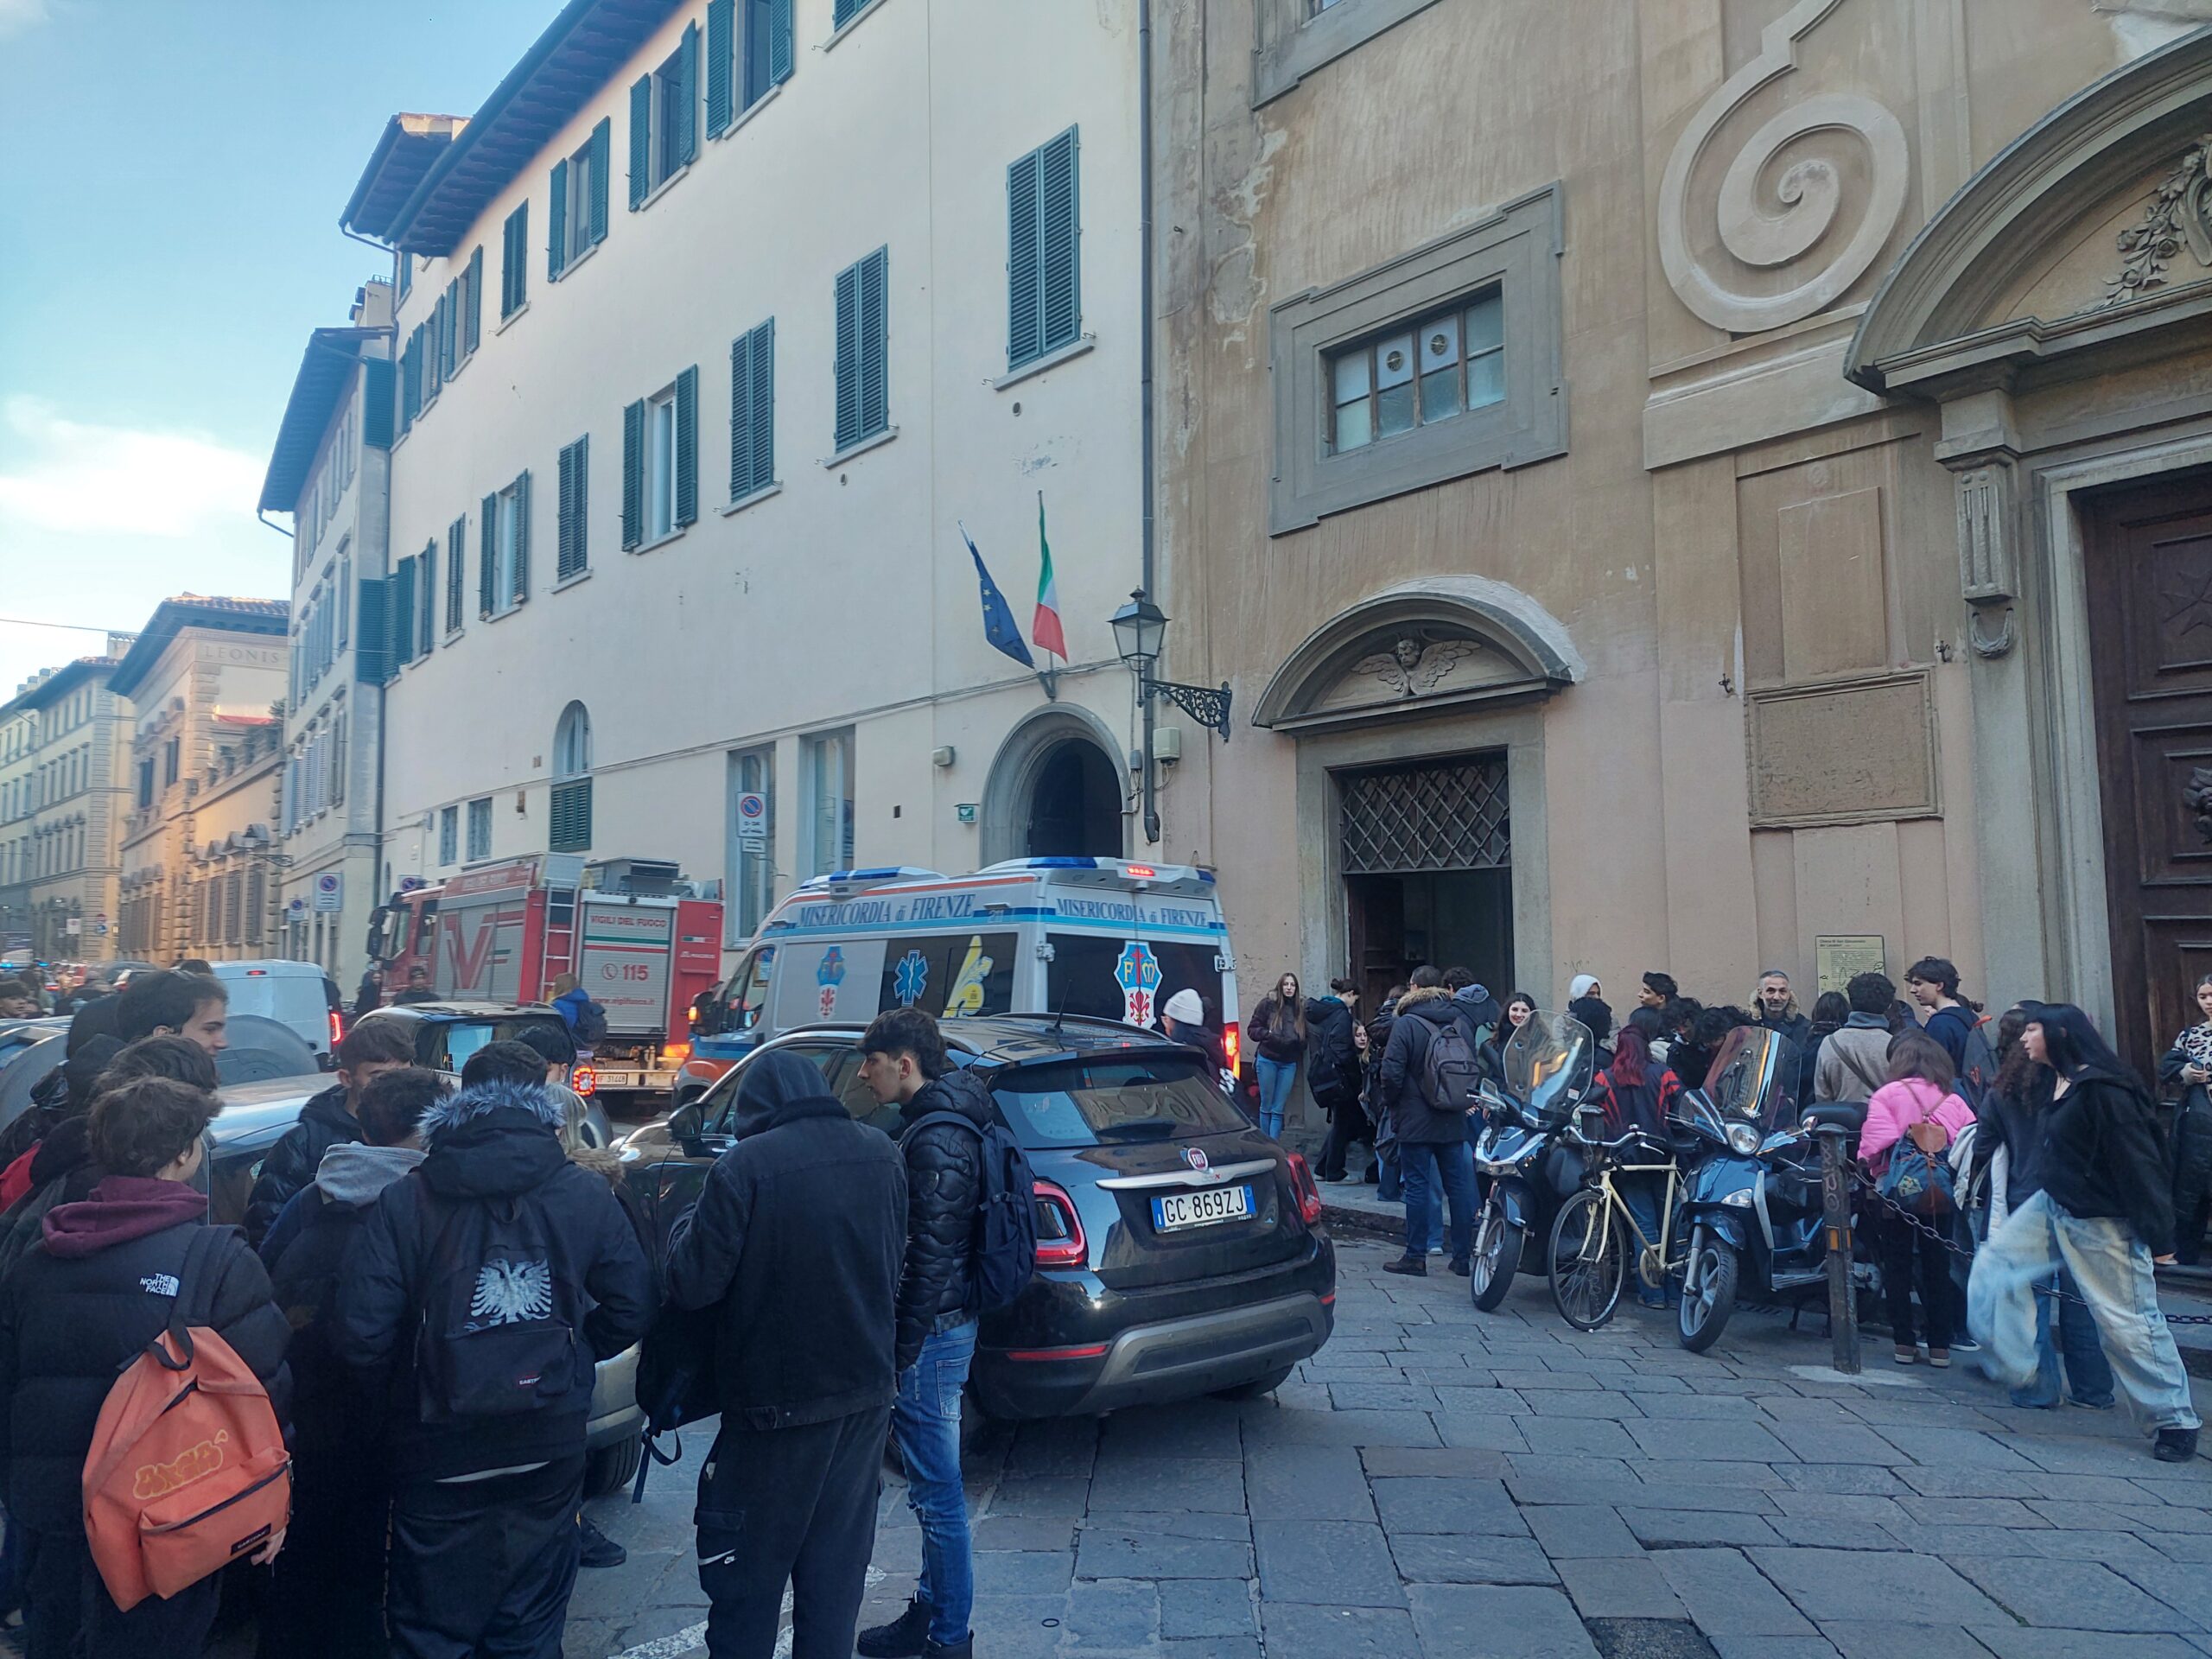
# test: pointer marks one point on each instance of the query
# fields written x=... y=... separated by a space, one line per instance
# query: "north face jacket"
x=495 y=1144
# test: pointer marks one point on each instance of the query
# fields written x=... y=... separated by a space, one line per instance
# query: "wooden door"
x=2149 y=583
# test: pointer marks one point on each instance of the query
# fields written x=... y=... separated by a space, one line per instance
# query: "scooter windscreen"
x=1754 y=1079
x=1547 y=1066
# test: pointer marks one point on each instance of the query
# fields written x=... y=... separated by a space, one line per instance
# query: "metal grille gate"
x=1447 y=816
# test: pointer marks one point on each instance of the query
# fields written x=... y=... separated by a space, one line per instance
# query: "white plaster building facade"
x=715 y=325
x=330 y=469
x=64 y=788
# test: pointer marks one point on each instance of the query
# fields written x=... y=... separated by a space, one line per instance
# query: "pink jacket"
x=1898 y=1105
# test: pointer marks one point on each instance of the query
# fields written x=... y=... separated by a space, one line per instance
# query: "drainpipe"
x=1148 y=554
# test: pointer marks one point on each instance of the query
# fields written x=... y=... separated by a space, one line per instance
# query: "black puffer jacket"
x=945 y=1188
x=797 y=1238
x=291 y=1166
x=62 y=1173
x=77 y=1309
x=1398 y=1084
x=2102 y=1155
x=1332 y=1062
x=497 y=1144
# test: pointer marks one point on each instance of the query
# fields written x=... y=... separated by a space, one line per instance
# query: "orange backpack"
x=187 y=1469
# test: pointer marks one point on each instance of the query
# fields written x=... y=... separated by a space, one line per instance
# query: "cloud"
x=17 y=16
x=80 y=480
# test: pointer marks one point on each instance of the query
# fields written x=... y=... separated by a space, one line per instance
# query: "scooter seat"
x=1842 y=1113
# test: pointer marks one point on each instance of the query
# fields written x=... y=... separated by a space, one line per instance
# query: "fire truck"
x=643 y=942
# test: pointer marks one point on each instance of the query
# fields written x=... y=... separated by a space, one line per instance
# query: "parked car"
x=255 y=1116
x=1179 y=1252
x=299 y=995
x=446 y=1034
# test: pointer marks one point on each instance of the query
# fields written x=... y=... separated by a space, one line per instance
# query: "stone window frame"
x=1515 y=250
x=1295 y=40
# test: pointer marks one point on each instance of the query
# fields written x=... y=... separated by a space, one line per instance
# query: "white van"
x=1101 y=937
x=298 y=995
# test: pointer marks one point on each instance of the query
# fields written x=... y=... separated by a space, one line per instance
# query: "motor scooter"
x=1521 y=1156
x=1753 y=1205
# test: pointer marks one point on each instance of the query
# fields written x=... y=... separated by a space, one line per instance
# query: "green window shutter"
x=875 y=342
x=472 y=314
x=633 y=475
x=848 y=357
x=1024 y=255
x=1060 y=233
x=843 y=12
x=426 y=631
x=602 y=152
x=573 y=553
x=487 y=554
x=376 y=402
x=513 y=239
x=568 y=819
x=722 y=46
x=401 y=619
x=440 y=357
x=456 y=563
x=779 y=40
x=557 y=225
x=740 y=417
x=684 y=119
x=522 y=538
x=369 y=646
x=763 y=404
x=641 y=141
x=687 y=446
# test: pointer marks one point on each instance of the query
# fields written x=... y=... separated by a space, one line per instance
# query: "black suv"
x=1180 y=1251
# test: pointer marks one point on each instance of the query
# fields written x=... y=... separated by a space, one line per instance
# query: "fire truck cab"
x=642 y=941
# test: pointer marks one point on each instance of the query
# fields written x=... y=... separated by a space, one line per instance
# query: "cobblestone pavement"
x=1440 y=1484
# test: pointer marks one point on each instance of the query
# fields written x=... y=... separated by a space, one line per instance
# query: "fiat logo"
x=1196 y=1158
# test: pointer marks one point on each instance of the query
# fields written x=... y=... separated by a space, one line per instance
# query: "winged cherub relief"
x=1412 y=666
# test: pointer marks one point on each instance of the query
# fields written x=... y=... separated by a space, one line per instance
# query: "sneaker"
x=1436 y=1249
x=2105 y=1404
x=1410 y=1264
x=595 y=1548
x=2175 y=1446
x=963 y=1649
x=1940 y=1358
x=1965 y=1345
x=906 y=1636
x=1908 y=1356
x=1462 y=1268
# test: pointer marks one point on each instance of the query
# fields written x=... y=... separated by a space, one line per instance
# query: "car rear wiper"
x=1138 y=1128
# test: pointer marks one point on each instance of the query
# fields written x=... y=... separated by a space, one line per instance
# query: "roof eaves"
x=172 y=616
x=326 y=369
x=405 y=150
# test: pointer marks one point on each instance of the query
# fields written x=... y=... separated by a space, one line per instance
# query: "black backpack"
x=1451 y=1069
x=1003 y=1255
x=498 y=1328
x=591 y=1025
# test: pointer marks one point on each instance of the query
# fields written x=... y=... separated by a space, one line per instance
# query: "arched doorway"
x=1075 y=805
x=1055 y=791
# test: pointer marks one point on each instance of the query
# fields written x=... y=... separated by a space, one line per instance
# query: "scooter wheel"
x=1706 y=1308
x=1495 y=1258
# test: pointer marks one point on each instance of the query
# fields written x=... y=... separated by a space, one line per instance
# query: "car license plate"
x=1176 y=1210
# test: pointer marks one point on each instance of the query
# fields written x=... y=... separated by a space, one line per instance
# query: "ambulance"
x=1099 y=937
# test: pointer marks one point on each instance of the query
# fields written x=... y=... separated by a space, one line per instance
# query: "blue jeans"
x=1277 y=1079
x=925 y=1426
x=1424 y=1167
x=2088 y=1376
x=2112 y=1270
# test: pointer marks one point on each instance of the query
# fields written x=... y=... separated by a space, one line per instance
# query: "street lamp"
x=1140 y=634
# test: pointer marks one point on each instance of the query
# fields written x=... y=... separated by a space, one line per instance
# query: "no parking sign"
x=753 y=821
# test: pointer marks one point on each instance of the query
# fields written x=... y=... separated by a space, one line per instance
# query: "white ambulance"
x=1101 y=937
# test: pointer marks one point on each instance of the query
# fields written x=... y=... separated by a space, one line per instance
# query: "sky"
x=168 y=235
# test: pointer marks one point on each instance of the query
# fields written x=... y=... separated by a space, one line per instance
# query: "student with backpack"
x=1911 y=1122
x=1426 y=1081
x=133 y=1264
x=327 y=1595
x=328 y=1119
x=795 y=1245
x=956 y=1152
x=1954 y=1021
x=486 y=1285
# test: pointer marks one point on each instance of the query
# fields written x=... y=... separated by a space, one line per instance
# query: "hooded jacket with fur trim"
x=1399 y=1077
x=494 y=1144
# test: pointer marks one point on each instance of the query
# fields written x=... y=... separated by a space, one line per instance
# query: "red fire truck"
x=639 y=939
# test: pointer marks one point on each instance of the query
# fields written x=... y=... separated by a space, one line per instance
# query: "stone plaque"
x=1839 y=958
x=1843 y=752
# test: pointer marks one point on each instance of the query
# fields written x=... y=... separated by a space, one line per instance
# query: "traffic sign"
x=73 y=926
x=330 y=890
x=753 y=821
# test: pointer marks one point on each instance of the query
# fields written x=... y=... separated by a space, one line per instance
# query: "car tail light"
x=337 y=1029
x=583 y=1080
x=1060 y=1242
x=1302 y=1182
x=1232 y=1048
x=675 y=1051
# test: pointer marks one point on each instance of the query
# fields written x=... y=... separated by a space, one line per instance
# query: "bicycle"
x=1589 y=1248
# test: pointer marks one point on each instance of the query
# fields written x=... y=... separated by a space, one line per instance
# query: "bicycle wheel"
x=1589 y=1259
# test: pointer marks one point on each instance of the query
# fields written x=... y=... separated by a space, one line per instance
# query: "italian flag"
x=1045 y=631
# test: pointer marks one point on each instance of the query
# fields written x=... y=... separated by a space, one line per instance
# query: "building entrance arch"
x=1055 y=791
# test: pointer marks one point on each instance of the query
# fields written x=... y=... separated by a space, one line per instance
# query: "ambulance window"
x=1087 y=972
x=952 y=976
x=747 y=997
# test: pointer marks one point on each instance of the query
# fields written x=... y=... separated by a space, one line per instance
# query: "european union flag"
x=998 y=620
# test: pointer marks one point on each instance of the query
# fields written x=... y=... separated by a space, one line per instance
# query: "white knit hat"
x=1581 y=986
x=1185 y=1009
